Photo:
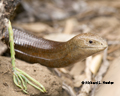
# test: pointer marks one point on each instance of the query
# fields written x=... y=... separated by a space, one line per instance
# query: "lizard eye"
x=90 y=41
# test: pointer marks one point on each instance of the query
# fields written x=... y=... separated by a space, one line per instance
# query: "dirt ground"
x=59 y=21
x=40 y=73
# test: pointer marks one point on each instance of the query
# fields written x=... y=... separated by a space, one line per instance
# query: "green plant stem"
x=11 y=45
x=19 y=76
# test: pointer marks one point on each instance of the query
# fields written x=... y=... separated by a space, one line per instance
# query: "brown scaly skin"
x=55 y=54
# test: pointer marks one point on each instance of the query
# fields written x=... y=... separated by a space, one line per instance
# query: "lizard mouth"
x=94 y=48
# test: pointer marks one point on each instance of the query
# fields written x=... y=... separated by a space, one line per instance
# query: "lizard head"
x=89 y=43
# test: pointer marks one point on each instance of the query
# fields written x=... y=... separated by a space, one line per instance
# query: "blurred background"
x=60 y=20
